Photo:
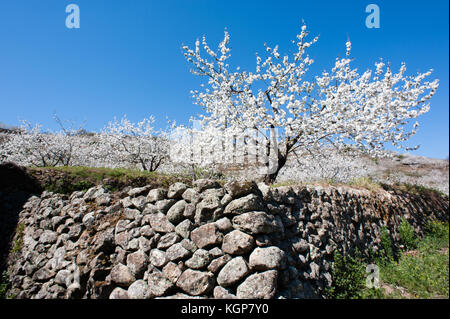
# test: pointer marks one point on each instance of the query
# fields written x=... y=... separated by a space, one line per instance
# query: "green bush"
x=386 y=242
x=407 y=235
x=348 y=274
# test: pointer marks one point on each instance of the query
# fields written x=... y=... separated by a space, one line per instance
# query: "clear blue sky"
x=126 y=58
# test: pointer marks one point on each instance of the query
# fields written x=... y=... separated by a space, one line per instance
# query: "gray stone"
x=267 y=258
x=245 y=204
x=138 y=290
x=224 y=225
x=177 y=252
x=175 y=213
x=158 y=258
x=200 y=259
x=104 y=242
x=139 y=202
x=259 y=286
x=158 y=284
x=156 y=194
x=215 y=252
x=48 y=237
x=204 y=184
x=237 y=243
x=168 y=240
x=164 y=205
x=89 y=219
x=43 y=274
x=160 y=223
x=206 y=235
x=196 y=282
x=222 y=293
x=207 y=210
x=137 y=263
x=147 y=231
x=74 y=232
x=172 y=271
x=235 y=270
x=240 y=188
x=255 y=223
x=103 y=200
x=191 y=196
x=176 y=190
x=138 y=191
x=122 y=276
x=119 y=293
x=184 y=228
x=218 y=263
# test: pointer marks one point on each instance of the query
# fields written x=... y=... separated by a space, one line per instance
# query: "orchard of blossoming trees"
x=264 y=117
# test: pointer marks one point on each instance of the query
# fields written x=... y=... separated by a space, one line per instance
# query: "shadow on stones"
x=16 y=186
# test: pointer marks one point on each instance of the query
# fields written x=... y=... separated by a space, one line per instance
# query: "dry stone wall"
x=242 y=240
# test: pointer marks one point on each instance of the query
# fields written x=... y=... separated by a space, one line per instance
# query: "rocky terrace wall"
x=238 y=241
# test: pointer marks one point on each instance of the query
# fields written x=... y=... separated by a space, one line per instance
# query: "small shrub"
x=348 y=275
x=386 y=243
x=18 y=241
x=407 y=235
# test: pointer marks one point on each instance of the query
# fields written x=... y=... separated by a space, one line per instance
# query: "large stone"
x=218 y=263
x=172 y=271
x=158 y=284
x=158 y=258
x=207 y=210
x=160 y=223
x=137 y=263
x=168 y=240
x=206 y=235
x=176 y=190
x=139 y=290
x=184 y=228
x=156 y=194
x=204 y=184
x=235 y=270
x=177 y=252
x=191 y=196
x=259 y=286
x=119 y=293
x=267 y=258
x=122 y=276
x=104 y=242
x=237 y=243
x=200 y=259
x=240 y=188
x=48 y=237
x=196 y=282
x=255 y=223
x=164 y=205
x=245 y=204
x=222 y=293
x=175 y=213
x=138 y=191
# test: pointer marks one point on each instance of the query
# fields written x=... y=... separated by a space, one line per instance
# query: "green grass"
x=424 y=272
x=66 y=180
x=18 y=240
x=421 y=273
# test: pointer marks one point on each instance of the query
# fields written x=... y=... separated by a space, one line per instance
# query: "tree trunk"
x=271 y=177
